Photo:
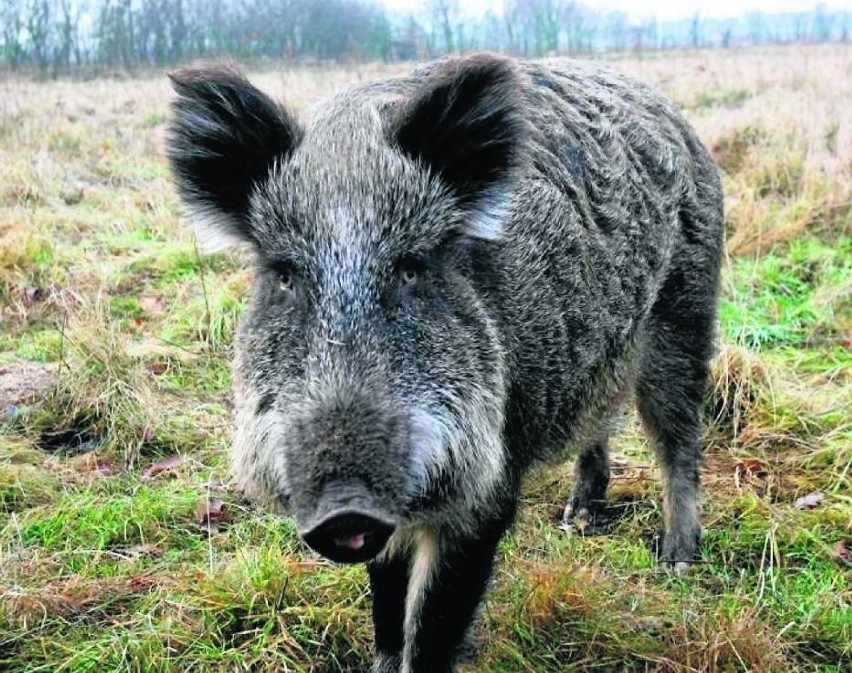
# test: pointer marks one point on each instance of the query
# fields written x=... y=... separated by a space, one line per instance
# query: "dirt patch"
x=22 y=382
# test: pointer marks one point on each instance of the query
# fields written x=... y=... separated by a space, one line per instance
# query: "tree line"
x=63 y=35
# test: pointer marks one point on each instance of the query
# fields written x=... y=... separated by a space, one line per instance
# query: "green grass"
x=789 y=299
x=104 y=567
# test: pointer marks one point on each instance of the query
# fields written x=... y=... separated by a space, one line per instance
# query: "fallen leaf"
x=158 y=368
x=139 y=584
x=843 y=551
x=750 y=468
x=164 y=465
x=210 y=511
x=809 y=501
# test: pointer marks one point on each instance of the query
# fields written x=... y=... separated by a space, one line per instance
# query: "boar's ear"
x=466 y=123
x=223 y=138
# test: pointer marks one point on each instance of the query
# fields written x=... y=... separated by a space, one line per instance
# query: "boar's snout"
x=349 y=526
x=348 y=462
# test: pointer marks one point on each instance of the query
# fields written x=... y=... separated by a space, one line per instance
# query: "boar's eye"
x=410 y=270
x=285 y=276
x=408 y=275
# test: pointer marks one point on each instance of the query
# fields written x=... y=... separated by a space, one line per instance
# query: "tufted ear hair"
x=466 y=124
x=223 y=138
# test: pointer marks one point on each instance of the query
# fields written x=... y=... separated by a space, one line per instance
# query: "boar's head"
x=370 y=367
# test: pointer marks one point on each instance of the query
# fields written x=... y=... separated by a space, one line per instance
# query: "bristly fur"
x=459 y=273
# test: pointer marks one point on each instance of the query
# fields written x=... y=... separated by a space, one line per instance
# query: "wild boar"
x=458 y=273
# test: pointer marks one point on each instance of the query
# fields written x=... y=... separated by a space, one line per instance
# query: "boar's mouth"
x=349 y=536
x=348 y=526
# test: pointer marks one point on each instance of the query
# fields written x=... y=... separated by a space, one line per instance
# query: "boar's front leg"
x=591 y=478
x=388 y=585
x=449 y=575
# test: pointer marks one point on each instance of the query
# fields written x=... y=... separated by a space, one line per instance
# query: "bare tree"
x=62 y=34
x=617 y=27
x=14 y=53
x=548 y=22
x=445 y=15
x=38 y=30
x=582 y=25
x=822 y=23
x=695 y=30
x=756 y=27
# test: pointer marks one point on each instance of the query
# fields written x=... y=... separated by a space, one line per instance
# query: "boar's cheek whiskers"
x=462 y=442
x=431 y=434
x=257 y=461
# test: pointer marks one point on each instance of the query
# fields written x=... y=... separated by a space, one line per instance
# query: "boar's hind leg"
x=440 y=618
x=673 y=367
x=591 y=478
x=388 y=585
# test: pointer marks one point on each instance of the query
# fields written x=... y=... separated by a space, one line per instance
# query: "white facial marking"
x=470 y=444
x=431 y=436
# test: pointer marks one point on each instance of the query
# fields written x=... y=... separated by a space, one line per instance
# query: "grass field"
x=123 y=548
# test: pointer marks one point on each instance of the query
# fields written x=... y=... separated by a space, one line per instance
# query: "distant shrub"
x=731 y=150
x=778 y=176
x=724 y=98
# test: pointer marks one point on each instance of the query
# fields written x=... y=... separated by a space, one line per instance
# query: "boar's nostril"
x=350 y=535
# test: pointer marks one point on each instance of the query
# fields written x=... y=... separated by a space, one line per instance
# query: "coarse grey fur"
x=459 y=273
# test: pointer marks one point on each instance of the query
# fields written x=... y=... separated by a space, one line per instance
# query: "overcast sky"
x=662 y=9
